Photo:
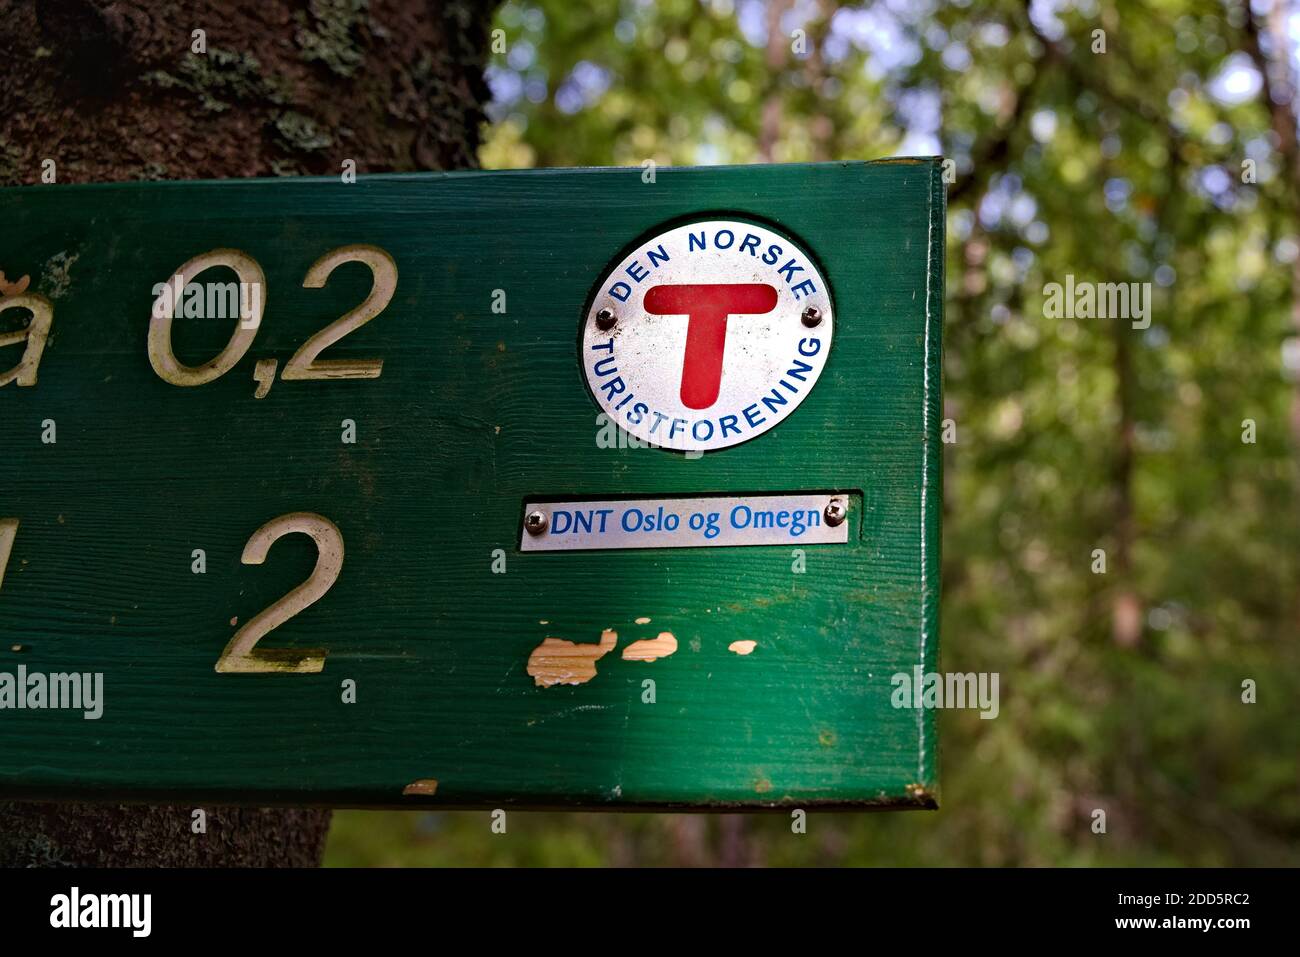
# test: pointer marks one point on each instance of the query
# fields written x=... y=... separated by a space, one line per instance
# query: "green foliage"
x=1072 y=434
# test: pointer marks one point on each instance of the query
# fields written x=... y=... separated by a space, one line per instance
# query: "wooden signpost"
x=553 y=488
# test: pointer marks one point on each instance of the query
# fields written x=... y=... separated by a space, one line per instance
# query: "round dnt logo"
x=707 y=335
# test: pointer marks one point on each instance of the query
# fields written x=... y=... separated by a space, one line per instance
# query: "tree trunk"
x=113 y=90
x=1279 y=91
x=770 y=123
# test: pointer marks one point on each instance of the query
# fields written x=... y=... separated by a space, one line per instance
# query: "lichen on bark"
x=112 y=90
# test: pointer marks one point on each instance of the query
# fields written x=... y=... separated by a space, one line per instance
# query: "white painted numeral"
x=161 y=356
x=8 y=531
x=305 y=364
x=241 y=655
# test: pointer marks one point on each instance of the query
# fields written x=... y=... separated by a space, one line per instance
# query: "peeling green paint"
x=474 y=413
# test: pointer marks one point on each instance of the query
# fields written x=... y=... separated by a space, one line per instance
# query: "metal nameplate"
x=797 y=519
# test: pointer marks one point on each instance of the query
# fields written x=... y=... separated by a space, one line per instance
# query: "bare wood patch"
x=650 y=649
x=559 y=662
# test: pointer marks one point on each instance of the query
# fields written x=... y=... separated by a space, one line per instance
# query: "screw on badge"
x=836 y=512
x=605 y=320
x=812 y=316
x=535 y=522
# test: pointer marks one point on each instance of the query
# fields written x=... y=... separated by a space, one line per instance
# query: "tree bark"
x=113 y=90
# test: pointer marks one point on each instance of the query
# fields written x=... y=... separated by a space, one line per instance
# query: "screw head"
x=605 y=319
x=836 y=512
x=812 y=316
x=535 y=522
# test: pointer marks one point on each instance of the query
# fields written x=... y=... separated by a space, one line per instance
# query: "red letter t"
x=708 y=306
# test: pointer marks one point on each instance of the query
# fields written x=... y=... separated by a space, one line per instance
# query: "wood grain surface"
x=474 y=412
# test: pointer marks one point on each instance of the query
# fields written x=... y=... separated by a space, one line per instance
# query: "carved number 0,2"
x=305 y=363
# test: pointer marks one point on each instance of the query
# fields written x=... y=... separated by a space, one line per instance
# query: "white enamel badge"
x=707 y=335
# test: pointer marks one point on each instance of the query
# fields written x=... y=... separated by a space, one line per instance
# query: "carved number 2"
x=8 y=530
x=242 y=656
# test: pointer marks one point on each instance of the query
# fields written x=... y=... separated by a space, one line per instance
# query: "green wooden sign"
x=541 y=488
